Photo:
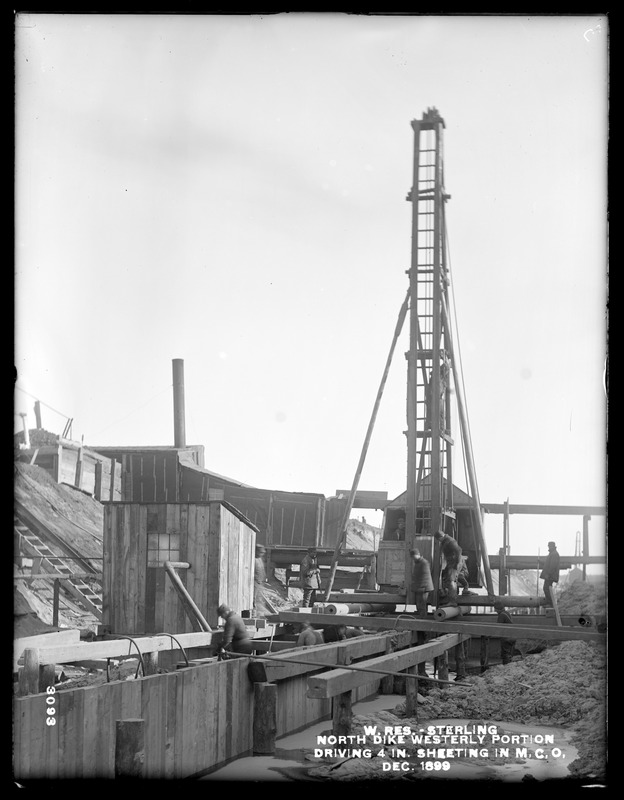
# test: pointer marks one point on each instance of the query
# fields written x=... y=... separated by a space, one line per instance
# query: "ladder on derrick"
x=429 y=479
x=34 y=546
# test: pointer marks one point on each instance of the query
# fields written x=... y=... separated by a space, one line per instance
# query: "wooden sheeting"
x=194 y=719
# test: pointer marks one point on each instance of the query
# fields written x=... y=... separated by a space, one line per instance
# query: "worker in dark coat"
x=308 y=636
x=422 y=583
x=507 y=645
x=235 y=636
x=310 y=577
x=550 y=573
x=334 y=633
x=449 y=548
x=452 y=553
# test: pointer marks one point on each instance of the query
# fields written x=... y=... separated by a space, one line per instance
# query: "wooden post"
x=460 y=660
x=485 y=648
x=195 y=615
x=411 y=694
x=47 y=675
x=58 y=463
x=341 y=711
x=150 y=662
x=503 y=580
x=555 y=606
x=264 y=718
x=78 y=475
x=443 y=666
x=342 y=714
x=585 y=548
x=113 y=467
x=28 y=680
x=386 y=685
x=130 y=748
x=97 y=489
x=55 y=602
x=502 y=571
x=126 y=480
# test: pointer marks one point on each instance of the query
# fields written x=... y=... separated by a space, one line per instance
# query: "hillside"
x=362 y=536
x=77 y=520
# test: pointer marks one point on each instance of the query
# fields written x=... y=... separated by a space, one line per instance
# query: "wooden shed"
x=214 y=538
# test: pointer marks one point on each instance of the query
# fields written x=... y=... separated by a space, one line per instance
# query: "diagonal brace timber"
x=337 y=681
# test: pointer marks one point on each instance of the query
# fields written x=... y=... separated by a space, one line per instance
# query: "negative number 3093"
x=50 y=710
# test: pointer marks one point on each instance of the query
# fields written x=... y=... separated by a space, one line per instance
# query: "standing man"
x=463 y=577
x=260 y=580
x=452 y=553
x=422 y=584
x=310 y=577
x=550 y=573
x=235 y=636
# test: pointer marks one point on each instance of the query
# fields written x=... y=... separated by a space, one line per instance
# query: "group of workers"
x=453 y=576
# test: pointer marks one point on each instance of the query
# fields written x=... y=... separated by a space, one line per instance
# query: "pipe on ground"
x=357 y=608
x=446 y=612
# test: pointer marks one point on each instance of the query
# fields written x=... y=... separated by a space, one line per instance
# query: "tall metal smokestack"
x=179 y=431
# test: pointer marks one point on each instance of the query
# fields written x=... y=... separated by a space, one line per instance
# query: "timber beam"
x=515 y=601
x=337 y=681
x=518 y=601
x=456 y=625
x=367 y=597
x=120 y=648
x=278 y=666
x=573 y=511
x=532 y=562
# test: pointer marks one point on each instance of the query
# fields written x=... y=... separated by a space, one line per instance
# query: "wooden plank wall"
x=236 y=563
x=195 y=521
x=195 y=719
x=214 y=541
x=124 y=568
x=294 y=519
x=295 y=710
x=46 y=460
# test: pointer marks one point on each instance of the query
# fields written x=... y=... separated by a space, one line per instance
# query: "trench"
x=294 y=759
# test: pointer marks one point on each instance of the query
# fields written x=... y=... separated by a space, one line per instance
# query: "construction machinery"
x=433 y=378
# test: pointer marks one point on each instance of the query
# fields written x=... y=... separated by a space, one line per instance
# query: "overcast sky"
x=230 y=190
